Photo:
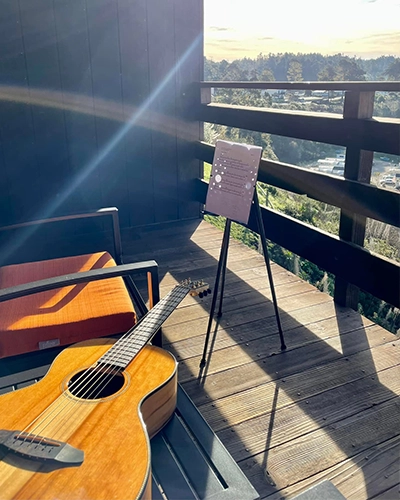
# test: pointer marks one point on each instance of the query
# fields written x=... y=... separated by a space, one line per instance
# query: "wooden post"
x=358 y=167
x=205 y=95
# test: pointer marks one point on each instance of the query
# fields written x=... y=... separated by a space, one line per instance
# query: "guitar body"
x=113 y=432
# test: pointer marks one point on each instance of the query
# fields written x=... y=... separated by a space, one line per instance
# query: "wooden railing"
x=361 y=135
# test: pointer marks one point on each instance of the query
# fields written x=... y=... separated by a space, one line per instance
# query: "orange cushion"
x=65 y=315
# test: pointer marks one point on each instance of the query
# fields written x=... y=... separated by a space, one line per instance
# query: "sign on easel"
x=233 y=180
x=231 y=194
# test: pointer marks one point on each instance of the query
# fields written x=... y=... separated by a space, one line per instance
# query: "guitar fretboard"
x=126 y=348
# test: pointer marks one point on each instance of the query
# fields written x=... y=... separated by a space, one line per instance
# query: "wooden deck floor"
x=327 y=408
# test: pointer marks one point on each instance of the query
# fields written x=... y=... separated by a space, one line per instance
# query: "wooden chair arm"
x=14 y=292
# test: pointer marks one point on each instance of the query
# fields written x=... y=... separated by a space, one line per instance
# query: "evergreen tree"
x=393 y=71
x=267 y=75
x=349 y=70
x=328 y=74
x=295 y=72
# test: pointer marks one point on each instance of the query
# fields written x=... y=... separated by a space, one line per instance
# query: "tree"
x=267 y=75
x=393 y=71
x=295 y=71
x=328 y=74
x=234 y=73
x=349 y=70
x=253 y=76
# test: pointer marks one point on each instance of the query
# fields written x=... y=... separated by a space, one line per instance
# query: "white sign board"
x=233 y=179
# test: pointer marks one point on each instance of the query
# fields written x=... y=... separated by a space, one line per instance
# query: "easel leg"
x=221 y=267
x=225 y=257
x=268 y=266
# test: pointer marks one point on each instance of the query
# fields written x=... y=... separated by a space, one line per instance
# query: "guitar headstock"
x=196 y=287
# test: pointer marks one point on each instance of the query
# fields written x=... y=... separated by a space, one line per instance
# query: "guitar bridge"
x=40 y=448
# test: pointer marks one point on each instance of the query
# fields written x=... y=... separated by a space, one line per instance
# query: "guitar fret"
x=119 y=354
x=130 y=341
x=126 y=348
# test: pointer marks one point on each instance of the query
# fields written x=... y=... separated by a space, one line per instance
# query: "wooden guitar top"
x=112 y=432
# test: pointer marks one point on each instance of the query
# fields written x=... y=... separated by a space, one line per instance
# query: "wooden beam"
x=373 y=135
x=358 y=167
x=205 y=95
x=383 y=205
x=374 y=274
x=353 y=86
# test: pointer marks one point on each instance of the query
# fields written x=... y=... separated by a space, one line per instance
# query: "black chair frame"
x=124 y=270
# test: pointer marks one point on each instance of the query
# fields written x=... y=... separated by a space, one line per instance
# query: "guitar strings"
x=107 y=378
x=85 y=378
x=120 y=354
x=101 y=384
x=142 y=342
x=81 y=379
x=85 y=395
x=90 y=374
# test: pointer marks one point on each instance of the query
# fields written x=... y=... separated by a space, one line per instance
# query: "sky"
x=244 y=28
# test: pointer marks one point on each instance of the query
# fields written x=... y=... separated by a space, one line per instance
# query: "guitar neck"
x=128 y=346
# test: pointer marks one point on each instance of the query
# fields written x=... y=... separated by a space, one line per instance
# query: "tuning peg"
x=201 y=295
x=209 y=291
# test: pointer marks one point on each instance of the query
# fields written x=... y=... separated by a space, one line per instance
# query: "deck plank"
x=372 y=473
x=326 y=408
x=260 y=349
x=243 y=376
x=285 y=286
x=248 y=404
x=296 y=335
x=314 y=452
x=260 y=316
x=310 y=414
x=248 y=305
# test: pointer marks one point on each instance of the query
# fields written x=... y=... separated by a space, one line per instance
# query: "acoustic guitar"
x=82 y=432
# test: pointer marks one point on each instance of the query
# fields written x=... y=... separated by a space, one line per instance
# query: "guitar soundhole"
x=95 y=384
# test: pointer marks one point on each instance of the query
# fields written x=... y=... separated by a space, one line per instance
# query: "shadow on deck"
x=327 y=408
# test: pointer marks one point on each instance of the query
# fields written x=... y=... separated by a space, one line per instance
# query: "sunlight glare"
x=102 y=154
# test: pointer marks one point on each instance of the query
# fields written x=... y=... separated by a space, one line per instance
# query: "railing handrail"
x=342 y=193
x=374 y=274
x=377 y=134
x=378 y=86
x=361 y=134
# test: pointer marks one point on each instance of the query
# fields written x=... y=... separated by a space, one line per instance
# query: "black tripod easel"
x=221 y=270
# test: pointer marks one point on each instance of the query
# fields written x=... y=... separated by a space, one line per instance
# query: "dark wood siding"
x=133 y=26
x=16 y=124
x=92 y=98
x=76 y=77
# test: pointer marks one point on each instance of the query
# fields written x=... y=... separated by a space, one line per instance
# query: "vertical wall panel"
x=107 y=92
x=76 y=82
x=93 y=107
x=188 y=16
x=4 y=194
x=163 y=107
x=16 y=125
x=39 y=36
x=133 y=28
